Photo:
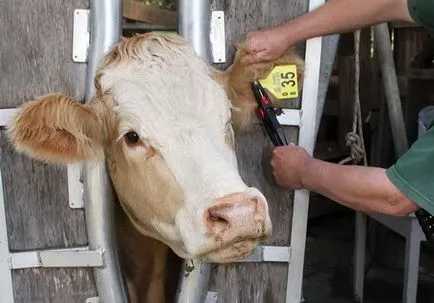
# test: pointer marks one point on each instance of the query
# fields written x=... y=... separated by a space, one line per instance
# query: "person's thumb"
x=250 y=58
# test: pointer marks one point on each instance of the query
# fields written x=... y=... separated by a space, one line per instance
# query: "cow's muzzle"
x=236 y=223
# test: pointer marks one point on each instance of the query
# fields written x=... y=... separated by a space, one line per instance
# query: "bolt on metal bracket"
x=81 y=35
x=218 y=37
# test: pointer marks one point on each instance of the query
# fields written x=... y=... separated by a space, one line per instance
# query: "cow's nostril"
x=217 y=218
x=217 y=222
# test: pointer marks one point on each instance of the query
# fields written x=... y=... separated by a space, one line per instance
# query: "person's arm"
x=365 y=189
x=335 y=16
x=338 y=16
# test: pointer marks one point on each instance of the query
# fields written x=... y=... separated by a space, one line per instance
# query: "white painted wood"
x=307 y=141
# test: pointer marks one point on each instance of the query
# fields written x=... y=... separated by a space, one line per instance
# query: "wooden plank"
x=36 y=50
x=35 y=59
x=36 y=198
x=54 y=285
x=258 y=282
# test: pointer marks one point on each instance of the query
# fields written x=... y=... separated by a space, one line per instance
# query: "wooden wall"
x=258 y=282
x=35 y=59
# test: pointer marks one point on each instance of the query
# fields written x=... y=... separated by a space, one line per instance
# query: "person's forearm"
x=338 y=16
x=365 y=189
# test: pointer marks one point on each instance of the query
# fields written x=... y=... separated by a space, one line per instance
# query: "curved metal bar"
x=105 y=31
x=194 y=17
x=99 y=199
x=194 y=284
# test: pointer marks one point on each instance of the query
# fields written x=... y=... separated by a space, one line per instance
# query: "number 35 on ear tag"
x=282 y=82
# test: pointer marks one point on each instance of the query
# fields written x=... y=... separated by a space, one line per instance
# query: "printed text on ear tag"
x=282 y=82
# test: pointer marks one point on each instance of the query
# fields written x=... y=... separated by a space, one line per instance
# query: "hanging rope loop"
x=354 y=138
x=354 y=142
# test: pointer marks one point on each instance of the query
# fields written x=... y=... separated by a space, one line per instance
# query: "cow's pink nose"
x=237 y=217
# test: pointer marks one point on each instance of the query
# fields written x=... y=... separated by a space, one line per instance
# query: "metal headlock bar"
x=96 y=192
x=193 y=25
x=99 y=198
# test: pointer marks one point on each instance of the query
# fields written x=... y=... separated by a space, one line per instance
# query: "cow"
x=164 y=122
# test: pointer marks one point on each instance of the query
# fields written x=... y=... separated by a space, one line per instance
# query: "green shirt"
x=422 y=11
x=413 y=173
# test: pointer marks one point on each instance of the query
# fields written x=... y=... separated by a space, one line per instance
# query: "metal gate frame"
x=105 y=31
x=101 y=254
x=194 y=286
x=99 y=198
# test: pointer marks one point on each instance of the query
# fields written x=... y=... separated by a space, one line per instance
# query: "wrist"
x=287 y=33
x=307 y=165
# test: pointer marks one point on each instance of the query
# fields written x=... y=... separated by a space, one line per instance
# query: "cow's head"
x=162 y=121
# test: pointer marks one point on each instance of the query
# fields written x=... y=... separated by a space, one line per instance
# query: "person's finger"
x=250 y=59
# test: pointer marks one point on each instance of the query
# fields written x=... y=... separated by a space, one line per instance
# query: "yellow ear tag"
x=282 y=82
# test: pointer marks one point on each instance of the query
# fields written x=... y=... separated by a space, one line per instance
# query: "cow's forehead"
x=160 y=84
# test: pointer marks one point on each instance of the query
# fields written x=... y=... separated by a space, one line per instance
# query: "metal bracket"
x=290 y=117
x=92 y=300
x=268 y=254
x=211 y=297
x=75 y=186
x=70 y=257
x=81 y=35
x=6 y=115
x=218 y=37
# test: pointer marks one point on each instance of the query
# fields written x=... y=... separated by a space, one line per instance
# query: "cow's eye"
x=132 y=137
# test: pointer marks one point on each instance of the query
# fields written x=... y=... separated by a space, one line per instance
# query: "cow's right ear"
x=56 y=128
x=238 y=77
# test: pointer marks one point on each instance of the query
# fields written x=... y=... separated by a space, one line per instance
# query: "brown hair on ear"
x=238 y=77
x=56 y=128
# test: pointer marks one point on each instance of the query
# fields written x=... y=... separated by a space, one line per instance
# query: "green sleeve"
x=413 y=173
x=422 y=11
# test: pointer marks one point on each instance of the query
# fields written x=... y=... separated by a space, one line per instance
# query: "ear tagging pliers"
x=266 y=113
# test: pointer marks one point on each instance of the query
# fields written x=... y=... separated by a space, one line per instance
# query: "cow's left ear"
x=58 y=129
x=237 y=82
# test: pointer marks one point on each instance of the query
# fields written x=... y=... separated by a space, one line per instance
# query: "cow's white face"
x=172 y=160
x=162 y=121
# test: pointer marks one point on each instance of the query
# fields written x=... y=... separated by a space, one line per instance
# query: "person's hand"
x=288 y=163
x=266 y=45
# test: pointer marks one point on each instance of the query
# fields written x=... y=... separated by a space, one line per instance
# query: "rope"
x=354 y=139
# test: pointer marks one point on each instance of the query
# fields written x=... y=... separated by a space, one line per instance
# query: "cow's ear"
x=56 y=128
x=238 y=77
